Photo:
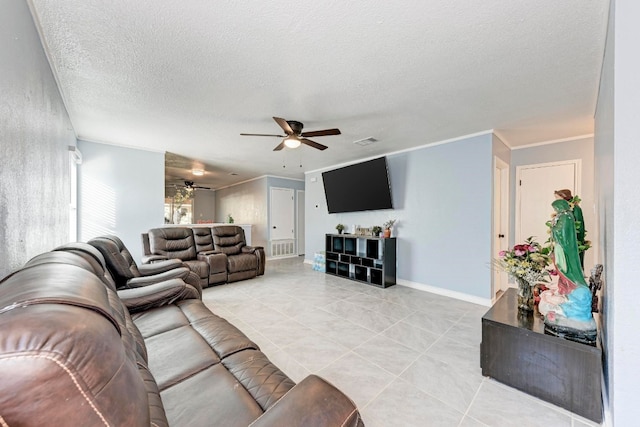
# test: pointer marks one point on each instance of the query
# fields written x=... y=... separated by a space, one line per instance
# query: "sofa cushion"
x=242 y=262
x=173 y=242
x=212 y=397
x=203 y=239
x=198 y=267
x=228 y=239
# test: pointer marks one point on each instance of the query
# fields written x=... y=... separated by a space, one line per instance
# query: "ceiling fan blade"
x=279 y=146
x=313 y=144
x=325 y=132
x=261 y=134
x=284 y=125
x=204 y=188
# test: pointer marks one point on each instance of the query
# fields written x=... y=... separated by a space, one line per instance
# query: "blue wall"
x=442 y=197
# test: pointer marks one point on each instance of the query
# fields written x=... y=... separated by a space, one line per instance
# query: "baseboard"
x=445 y=292
x=275 y=258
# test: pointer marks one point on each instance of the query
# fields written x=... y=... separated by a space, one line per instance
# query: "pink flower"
x=553 y=272
x=502 y=253
x=519 y=252
x=532 y=248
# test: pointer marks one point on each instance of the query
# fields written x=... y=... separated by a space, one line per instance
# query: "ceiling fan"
x=294 y=135
x=190 y=185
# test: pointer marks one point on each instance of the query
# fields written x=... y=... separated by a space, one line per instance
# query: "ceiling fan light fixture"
x=197 y=172
x=292 y=141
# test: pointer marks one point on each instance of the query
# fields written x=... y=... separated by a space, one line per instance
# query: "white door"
x=500 y=220
x=300 y=222
x=535 y=185
x=282 y=214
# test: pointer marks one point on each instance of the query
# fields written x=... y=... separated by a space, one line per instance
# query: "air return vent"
x=366 y=141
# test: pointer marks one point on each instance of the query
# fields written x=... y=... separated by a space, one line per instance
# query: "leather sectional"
x=79 y=348
x=216 y=254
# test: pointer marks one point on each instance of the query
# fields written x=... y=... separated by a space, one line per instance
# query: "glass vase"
x=525 y=295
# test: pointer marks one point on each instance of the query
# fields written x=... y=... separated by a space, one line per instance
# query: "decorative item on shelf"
x=387 y=227
x=229 y=219
x=363 y=231
x=528 y=264
x=340 y=228
x=376 y=230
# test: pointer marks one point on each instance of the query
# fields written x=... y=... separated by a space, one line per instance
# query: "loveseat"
x=75 y=351
x=218 y=254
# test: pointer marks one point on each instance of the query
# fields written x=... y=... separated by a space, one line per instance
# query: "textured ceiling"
x=189 y=77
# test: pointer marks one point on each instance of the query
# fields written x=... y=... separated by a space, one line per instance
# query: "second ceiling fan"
x=294 y=135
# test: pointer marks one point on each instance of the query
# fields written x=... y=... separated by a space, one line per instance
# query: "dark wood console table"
x=516 y=351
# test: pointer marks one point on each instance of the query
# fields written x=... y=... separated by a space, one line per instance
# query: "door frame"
x=299 y=230
x=503 y=168
x=577 y=179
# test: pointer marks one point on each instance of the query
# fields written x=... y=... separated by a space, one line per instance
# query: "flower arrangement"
x=376 y=229
x=340 y=228
x=526 y=262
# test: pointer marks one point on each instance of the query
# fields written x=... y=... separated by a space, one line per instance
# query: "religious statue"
x=567 y=308
x=576 y=210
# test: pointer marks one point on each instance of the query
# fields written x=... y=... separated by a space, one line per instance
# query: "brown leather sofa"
x=217 y=254
x=76 y=350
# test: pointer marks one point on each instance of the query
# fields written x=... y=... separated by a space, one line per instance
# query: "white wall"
x=247 y=204
x=35 y=133
x=442 y=201
x=121 y=192
x=616 y=158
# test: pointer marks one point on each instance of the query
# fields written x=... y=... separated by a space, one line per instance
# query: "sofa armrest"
x=217 y=261
x=248 y=249
x=259 y=251
x=312 y=402
x=148 y=259
x=209 y=252
x=157 y=295
x=159 y=267
x=176 y=273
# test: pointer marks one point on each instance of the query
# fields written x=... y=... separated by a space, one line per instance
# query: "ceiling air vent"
x=366 y=141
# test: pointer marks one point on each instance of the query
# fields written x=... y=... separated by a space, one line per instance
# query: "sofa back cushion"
x=118 y=259
x=203 y=239
x=228 y=239
x=173 y=242
x=67 y=357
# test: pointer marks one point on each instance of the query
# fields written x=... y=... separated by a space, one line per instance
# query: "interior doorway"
x=500 y=221
x=535 y=185
x=282 y=222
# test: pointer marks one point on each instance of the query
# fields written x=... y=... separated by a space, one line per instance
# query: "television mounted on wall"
x=360 y=187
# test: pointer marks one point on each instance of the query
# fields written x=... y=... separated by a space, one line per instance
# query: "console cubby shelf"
x=370 y=260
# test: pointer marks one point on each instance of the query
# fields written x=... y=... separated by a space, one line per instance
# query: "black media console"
x=370 y=260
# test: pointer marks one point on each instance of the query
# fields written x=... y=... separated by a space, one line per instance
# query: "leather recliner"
x=184 y=244
x=127 y=274
x=243 y=262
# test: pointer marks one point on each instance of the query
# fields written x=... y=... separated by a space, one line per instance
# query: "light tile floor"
x=406 y=357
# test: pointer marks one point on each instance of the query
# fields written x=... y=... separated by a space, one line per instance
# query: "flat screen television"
x=360 y=187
